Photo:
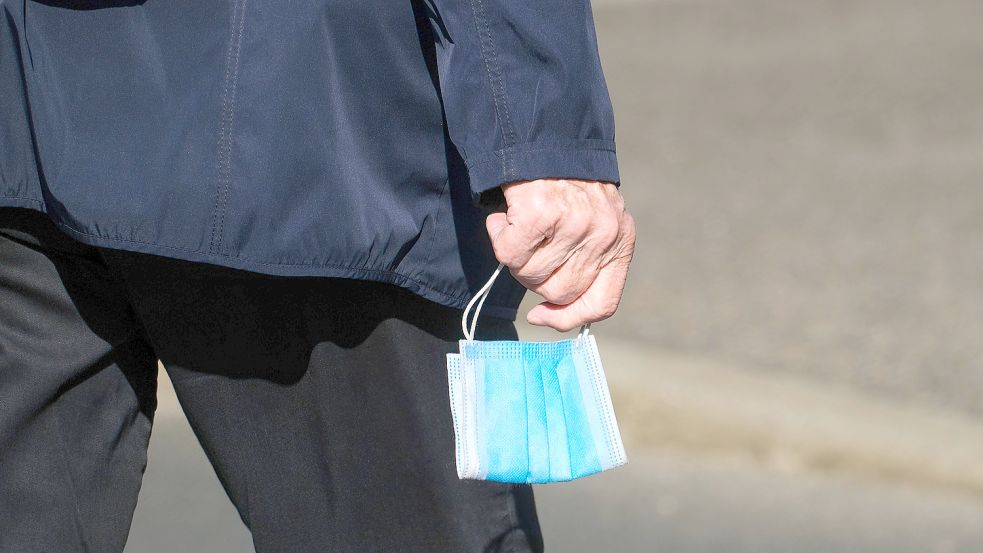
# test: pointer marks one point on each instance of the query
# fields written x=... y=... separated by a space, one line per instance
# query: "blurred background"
x=797 y=364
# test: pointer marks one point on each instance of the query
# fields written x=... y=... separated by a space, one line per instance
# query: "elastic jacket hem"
x=388 y=276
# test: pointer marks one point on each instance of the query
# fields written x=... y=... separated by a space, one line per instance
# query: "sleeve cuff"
x=587 y=160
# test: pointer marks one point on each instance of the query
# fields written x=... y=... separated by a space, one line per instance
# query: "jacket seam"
x=224 y=147
x=496 y=81
x=436 y=221
x=28 y=198
x=494 y=157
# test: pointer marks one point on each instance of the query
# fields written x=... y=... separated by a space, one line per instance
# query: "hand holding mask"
x=530 y=412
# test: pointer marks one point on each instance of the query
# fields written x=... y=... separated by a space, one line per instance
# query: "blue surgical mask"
x=530 y=412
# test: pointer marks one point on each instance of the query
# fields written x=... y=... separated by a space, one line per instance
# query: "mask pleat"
x=539 y=454
x=507 y=444
x=556 y=418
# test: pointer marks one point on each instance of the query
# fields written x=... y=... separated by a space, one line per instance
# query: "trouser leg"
x=77 y=385
x=323 y=406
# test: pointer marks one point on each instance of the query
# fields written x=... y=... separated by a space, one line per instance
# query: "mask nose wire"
x=480 y=296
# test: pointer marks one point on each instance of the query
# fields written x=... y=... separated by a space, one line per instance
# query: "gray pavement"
x=669 y=503
x=808 y=181
x=661 y=502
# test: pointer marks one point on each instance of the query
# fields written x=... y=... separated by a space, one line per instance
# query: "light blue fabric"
x=532 y=412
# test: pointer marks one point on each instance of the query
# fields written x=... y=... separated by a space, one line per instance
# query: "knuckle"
x=579 y=221
x=506 y=255
x=562 y=297
x=617 y=199
x=532 y=274
x=540 y=206
x=558 y=290
x=628 y=222
x=606 y=236
x=535 y=224
x=542 y=227
x=551 y=290
x=628 y=231
x=606 y=309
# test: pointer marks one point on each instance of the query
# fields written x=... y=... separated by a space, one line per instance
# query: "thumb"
x=496 y=223
x=513 y=243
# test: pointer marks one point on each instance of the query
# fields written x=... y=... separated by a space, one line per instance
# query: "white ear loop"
x=480 y=297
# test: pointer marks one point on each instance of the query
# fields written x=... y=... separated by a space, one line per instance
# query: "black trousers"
x=321 y=403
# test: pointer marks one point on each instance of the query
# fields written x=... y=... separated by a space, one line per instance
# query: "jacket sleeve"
x=523 y=91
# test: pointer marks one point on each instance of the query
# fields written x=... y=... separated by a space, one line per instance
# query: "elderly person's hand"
x=568 y=241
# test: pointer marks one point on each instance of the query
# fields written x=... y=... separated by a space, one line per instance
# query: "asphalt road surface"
x=807 y=177
x=661 y=502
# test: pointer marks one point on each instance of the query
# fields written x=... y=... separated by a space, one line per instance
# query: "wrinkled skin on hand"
x=570 y=242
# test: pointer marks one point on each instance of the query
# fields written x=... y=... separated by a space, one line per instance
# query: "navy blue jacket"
x=299 y=137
